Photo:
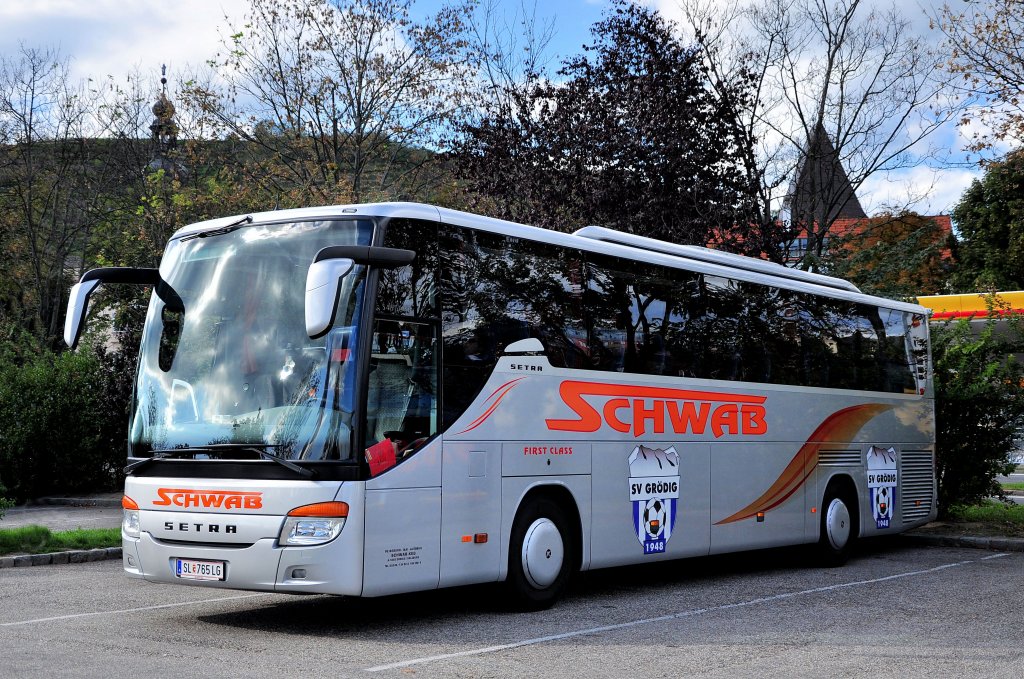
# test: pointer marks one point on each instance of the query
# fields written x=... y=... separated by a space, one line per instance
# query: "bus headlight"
x=130 y=522
x=313 y=524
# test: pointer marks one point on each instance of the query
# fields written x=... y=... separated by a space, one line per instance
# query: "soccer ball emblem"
x=655 y=514
x=882 y=500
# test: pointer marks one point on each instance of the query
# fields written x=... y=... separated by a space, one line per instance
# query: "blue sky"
x=116 y=37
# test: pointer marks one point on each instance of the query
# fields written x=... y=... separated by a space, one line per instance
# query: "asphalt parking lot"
x=894 y=610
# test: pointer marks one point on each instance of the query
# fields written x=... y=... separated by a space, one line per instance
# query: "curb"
x=73 y=556
x=969 y=541
x=77 y=502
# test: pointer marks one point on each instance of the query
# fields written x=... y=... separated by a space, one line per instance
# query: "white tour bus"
x=372 y=399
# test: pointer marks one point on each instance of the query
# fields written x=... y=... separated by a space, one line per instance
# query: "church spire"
x=164 y=132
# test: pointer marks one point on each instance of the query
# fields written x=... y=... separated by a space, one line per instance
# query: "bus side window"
x=500 y=289
x=723 y=358
x=411 y=290
x=817 y=340
x=402 y=387
x=401 y=395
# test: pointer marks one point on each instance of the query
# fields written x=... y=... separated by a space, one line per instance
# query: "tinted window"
x=596 y=312
x=497 y=290
x=896 y=351
x=637 y=317
x=410 y=291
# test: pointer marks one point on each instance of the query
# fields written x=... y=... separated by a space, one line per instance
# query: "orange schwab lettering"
x=222 y=499
x=643 y=410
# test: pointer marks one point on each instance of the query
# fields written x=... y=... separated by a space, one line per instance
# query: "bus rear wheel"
x=541 y=555
x=838 y=528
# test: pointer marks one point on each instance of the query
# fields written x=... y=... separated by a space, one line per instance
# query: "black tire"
x=540 y=533
x=839 y=527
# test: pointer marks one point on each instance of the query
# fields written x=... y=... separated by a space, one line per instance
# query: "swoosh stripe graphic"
x=841 y=425
x=504 y=390
x=507 y=384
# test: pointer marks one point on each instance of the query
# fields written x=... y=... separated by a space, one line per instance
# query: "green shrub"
x=979 y=401
x=61 y=431
x=17 y=345
x=5 y=504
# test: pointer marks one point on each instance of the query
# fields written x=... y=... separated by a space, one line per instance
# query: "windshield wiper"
x=161 y=455
x=261 y=450
x=221 y=230
x=258 y=448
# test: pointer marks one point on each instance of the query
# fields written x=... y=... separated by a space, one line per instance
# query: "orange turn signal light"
x=128 y=503
x=480 y=538
x=323 y=509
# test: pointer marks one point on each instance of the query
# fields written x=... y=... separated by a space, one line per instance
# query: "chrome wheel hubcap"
x=543 y=552
x=837 y=524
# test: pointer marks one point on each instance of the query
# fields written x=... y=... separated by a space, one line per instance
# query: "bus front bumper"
x=332 y=568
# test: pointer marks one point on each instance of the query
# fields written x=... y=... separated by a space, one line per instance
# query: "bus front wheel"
x=838 y=528
x=541 y=554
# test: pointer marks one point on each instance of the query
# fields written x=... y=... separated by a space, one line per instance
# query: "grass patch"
x=40 y=540
x=990 y=517
x=1013 y=485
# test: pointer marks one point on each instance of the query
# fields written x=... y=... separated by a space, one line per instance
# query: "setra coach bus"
x=372 y=399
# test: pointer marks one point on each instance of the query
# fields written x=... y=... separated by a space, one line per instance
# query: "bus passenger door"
x=403 y=452
x=470 y=513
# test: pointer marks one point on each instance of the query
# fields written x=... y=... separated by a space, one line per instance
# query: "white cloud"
x=925 y=190
x=115 y=37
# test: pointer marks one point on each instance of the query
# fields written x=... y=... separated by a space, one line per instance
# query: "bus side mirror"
x=323 y=285
x=78 y=302
x=329 y=267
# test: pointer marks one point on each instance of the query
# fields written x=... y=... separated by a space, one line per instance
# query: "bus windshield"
x=226 y=366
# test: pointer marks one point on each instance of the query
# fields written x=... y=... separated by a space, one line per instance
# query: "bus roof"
x=702 y=254
x=591 y=238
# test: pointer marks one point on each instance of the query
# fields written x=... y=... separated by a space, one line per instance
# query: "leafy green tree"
x=979 y=401
x=990 y=219
x=70 y=165
x=335 y=100
x=632 y=136
x=893 y=256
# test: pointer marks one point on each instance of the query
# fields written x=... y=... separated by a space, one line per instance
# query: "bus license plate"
x=191 y=569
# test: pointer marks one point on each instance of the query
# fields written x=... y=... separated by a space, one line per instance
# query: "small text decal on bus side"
x=642 y=410
x=654 y=493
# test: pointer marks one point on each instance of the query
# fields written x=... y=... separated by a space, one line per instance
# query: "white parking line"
x=131 y=610
x=671 y=616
